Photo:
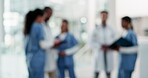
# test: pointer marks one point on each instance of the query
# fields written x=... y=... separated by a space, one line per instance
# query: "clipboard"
x=121 y=42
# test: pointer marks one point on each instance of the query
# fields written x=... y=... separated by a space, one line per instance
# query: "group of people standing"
x=41 y=48
x=102 y=37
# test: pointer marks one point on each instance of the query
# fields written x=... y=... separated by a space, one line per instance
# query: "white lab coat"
x=51 y=54
x=99 y=37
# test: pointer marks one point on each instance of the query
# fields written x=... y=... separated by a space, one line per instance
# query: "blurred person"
x=102 y=36
x=128 y=54
x=34 y=53
x=34 y=47
x=66 y=50
x=50 y=63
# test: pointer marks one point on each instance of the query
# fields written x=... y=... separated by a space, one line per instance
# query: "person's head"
x=64 y=26
x=48 y=13
x=30 y=18
x=39 y=15
x=126 y=22
x=104 y=16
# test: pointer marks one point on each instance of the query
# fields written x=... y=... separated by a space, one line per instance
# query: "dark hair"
x=30 y=18
x=38 y=12
x=64 y=20
x=104 y=12
x=47 y=8
x=129 y=20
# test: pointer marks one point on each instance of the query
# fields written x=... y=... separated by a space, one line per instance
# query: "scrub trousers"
x=127 y=65
x=70 y=70
x=36 y=74
x=125 y=73
x=36 y=65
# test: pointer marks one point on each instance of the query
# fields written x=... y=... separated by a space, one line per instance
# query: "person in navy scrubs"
x=35 y=43
x=66 y=50
x=128 y=54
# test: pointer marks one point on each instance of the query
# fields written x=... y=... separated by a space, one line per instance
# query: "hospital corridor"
x=73 y=39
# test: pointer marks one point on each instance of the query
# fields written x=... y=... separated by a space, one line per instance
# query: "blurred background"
x=83 y=15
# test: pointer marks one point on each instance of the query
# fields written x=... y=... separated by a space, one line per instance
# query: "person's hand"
x=105 y=47
x=57 y=41
x=62 y=53
x=117 y=48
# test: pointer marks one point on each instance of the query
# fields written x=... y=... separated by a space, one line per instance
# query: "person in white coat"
x=50 y=63
x=102 y=36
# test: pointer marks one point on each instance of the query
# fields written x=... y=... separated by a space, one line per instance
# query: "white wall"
x=91 y=16
x=132 y=7
x=143 y=54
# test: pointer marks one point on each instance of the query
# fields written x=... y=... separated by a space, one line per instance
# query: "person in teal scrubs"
x=128 y=54
x=34 y=34
x=66 y=50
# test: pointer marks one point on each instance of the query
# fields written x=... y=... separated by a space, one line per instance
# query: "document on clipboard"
x=121 y=42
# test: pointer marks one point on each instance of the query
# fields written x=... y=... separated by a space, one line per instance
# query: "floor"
x=13 y=66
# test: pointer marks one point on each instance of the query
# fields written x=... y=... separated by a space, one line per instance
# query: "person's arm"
x=129 y=50
x=114 y=35
x=133 y=49
x=46 y=44
x=42 y=42
x=72 y=50
x=74 y=46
